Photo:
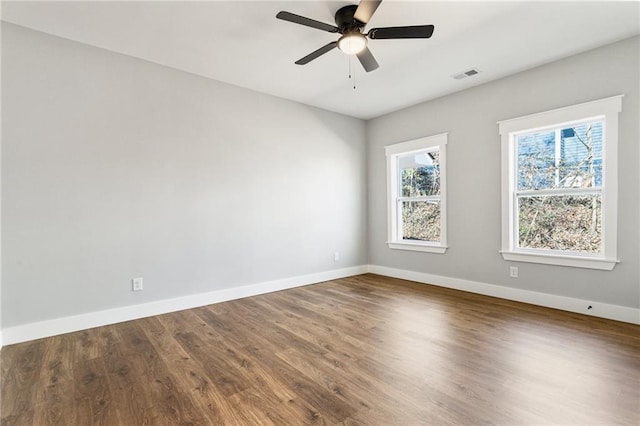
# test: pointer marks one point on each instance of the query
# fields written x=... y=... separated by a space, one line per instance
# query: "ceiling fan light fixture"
x=352 y=43
x=351 y=21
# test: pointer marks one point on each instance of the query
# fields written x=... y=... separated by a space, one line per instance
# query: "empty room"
x=320 y=213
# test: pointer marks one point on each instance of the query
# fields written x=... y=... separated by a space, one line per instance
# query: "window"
x=417 y=203
x=559 y=186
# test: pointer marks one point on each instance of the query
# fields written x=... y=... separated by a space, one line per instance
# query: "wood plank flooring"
x=366 y=350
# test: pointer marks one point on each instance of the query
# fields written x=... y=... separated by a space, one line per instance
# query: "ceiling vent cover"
x=465 y=74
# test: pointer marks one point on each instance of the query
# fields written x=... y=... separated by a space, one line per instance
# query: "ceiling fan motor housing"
x=345 y=20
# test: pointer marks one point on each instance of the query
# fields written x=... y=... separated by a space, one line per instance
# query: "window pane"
x=420 y=174
x=536 y=160
x=567 y=157
x=421 y=220
x=581 y=156
x=567 y=223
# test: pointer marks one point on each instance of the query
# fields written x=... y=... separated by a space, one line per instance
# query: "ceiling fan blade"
x=417 y=31
x=315 y=54
x=297 y=19
x=367 y=60
x=365 y=10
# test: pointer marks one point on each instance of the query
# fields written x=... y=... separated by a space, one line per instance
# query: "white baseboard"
x=37 y=330
x=602 y=310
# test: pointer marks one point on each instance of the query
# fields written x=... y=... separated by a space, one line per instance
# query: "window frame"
x=606 y=110
x=394 y=196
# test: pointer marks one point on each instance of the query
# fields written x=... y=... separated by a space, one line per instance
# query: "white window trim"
x=606 y=109
x=392 y=152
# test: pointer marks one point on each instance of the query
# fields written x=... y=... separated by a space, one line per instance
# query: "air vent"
x=465 y=74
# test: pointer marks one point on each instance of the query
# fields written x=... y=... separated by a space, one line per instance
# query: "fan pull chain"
x=352 y=74
x=354 y=79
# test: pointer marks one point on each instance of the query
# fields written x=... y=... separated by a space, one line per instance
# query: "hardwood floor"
x=366 y=350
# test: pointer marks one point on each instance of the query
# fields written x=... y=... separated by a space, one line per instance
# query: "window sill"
x=553 y=259
x=429 y=248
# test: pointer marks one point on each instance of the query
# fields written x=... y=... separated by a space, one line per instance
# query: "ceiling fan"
x=350 y=21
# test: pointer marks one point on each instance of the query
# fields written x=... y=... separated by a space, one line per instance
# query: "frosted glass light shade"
x=352 y=43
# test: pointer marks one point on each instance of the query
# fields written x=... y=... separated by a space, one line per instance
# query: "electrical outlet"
x=336 y=256
x=513 y=271
x=137 y=284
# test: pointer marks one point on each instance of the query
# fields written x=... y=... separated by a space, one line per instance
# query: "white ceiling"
x=242 y=43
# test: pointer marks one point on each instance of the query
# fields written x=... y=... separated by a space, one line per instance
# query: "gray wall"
x=474 y=174
x=114 y=168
